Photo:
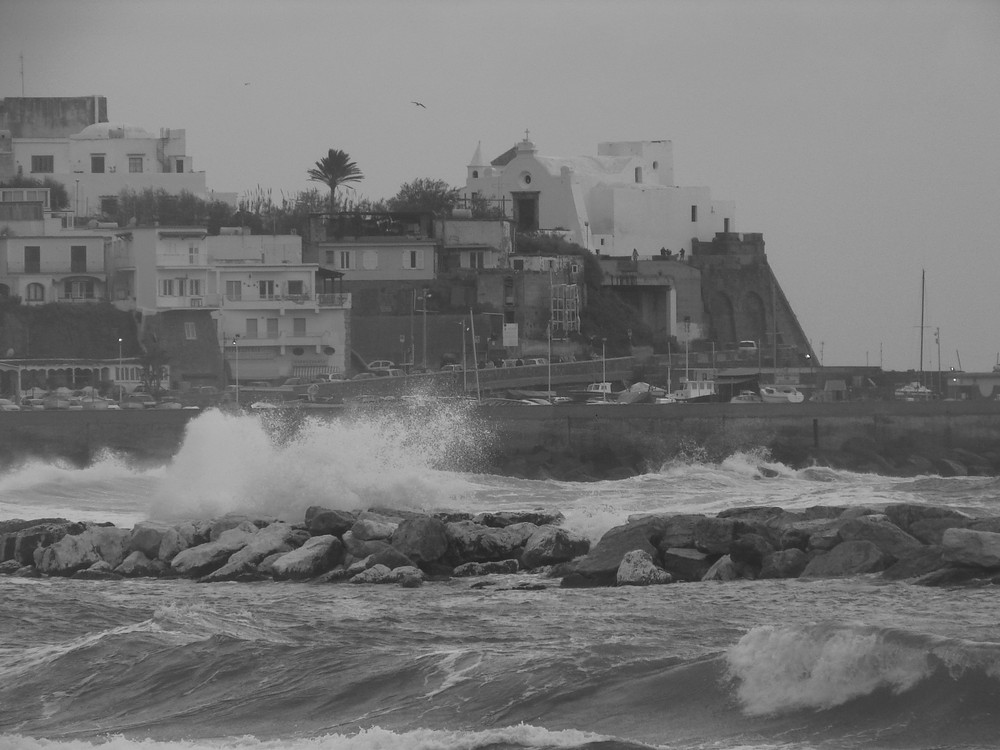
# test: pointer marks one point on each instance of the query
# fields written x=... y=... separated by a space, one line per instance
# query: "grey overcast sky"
x=859 y=136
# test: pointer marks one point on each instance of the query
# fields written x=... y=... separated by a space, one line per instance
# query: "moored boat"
x=781 y=394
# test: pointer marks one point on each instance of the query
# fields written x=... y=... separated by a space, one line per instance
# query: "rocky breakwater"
x=927 y=545
x=373 y=546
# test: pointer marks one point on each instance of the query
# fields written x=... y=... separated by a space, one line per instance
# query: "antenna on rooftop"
x=22 y=75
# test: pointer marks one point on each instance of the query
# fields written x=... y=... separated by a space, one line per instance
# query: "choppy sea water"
x=857 y=663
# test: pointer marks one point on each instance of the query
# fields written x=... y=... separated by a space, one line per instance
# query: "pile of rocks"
x=374 y=546
x=930 y=545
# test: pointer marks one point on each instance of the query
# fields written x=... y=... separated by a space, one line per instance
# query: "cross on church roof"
x=526 y=134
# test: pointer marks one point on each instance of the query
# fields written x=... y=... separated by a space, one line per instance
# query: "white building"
x=273 y=316
x=621 y=201
x=69 y=140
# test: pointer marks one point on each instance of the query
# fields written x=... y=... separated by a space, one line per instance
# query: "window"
x=32 y=259
x=638 y=174
x=345 y=258
x=194 y=287
x=80 y=289
x=518 y=264
x=694 y=213
x=135 y=164
x=181 y=287
x=43 y=164
x=295 y=288
x=78 y=259
x=97 y=163
x=413 y=259
x=725 y=225
x=299 y=326
x=190 y=331
x=180 y=165
x=251 y=328
x=477 y=259
x=265 y=289
x=234 y=290
x=167 y=287
x=272 y=328
x=193 y=254
x=36 y=293
x=370 y=260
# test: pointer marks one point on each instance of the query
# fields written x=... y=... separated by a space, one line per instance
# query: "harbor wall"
x=650 y=431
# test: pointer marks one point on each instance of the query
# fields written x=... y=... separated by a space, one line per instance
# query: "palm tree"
x=334 y=170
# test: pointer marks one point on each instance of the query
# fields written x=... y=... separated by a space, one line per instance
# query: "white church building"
x=620 y=202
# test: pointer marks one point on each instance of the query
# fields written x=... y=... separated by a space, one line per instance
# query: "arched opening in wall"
x=754 y=315
x=720 y=308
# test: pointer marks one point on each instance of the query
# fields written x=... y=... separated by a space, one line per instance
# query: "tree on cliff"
x=335 y=170
x=424 y=195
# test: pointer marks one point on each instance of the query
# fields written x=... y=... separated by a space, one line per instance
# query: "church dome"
x=105 y=130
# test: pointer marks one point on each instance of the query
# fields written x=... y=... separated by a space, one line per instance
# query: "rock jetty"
x=927 y=545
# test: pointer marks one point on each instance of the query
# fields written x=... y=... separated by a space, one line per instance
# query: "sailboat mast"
x=922 y=286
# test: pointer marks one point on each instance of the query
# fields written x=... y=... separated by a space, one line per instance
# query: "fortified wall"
x=744 y=301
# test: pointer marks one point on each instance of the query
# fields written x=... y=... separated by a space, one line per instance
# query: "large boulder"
x=318 y=555
x=374 y=574
x=175 y=539
x=242 y=564
x=80 y=551
x=785 y=563
x=391 y=558
x=600 y=566
x=359 y=549
x=723 y=569
x=716 y=535
x=423 y=539
x=881 y=532
x=637 y=569
x=470 y=542
x=9 y=531
x=146 y=537
x=551 y=545
x=370 y=529
x=497 y=567
x=748 y=553
x=323 y=521
x=847 y=559
x=678 y=530
x=137 y=565
x=905 y=515
x=970 y=547
x=39 y=536
x=917 y=563
x=685 y=564
x=202 y=559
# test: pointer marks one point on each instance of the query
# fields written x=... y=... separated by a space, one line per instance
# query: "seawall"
x=647 y=432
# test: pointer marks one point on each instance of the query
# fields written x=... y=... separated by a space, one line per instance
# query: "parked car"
x=452 y=368
x=328 y=377
x=381 y=364
x=292 y=382
x=747 y=346
x=7 y=405
x=388 y=372
x=364 y=376
x=536 y=361
x=138 y=401
x=258 y=384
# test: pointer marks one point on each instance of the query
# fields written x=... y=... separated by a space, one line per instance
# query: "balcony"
x=188 y=301
x=287 y=301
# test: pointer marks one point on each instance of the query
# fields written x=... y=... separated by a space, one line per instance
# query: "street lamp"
x=118 y=375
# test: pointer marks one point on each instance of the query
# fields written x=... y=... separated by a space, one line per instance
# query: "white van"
x=747 y=346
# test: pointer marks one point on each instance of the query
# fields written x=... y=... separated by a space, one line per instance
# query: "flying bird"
x=418 y=104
